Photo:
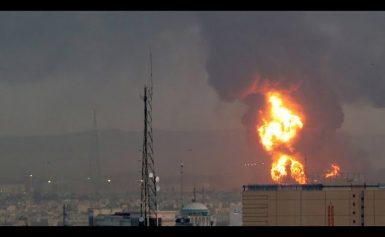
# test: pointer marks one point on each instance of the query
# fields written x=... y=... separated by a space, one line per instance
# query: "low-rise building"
x=116 y=219
x=194 y=214
x=313 y=205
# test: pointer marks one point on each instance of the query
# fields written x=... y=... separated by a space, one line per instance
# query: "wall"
x=334 y=207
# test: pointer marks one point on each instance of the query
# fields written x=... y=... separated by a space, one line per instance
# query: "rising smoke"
x=326 y=57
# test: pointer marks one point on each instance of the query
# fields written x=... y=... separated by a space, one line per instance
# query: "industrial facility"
x=313 y=205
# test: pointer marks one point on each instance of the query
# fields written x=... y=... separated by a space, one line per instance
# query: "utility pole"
x=203 y=194
x=181 y=184
x=94 y=162
x=64 y=215
x=194 y=197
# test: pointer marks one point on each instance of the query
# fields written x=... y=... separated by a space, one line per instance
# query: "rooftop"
x=195 y=206
x=305 y=187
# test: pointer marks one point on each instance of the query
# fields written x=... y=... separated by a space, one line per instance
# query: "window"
x=354 y=195
x=354 y=221
x=354 y=212
x=354 y=204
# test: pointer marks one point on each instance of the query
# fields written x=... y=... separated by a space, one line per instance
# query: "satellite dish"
x=157 y=188
x=151 y=175
x=157 y=179
x=141 y=219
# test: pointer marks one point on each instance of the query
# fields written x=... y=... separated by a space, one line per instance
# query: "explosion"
x=281 y=126
x=278 y=169
x=335 y=171
x=278 y=129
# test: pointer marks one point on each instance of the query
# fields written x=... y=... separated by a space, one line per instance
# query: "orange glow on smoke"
x=335 y=171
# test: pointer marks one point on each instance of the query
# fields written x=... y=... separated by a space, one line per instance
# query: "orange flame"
x=281 y=126
x=278 y=129
x=335 y=171
x=279 y=167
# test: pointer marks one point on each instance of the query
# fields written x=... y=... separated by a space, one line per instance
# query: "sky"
x=55 y=67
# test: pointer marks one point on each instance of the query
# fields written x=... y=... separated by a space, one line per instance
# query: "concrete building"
x=117 y=219
x=313 y=205
x=101 y=218
x=235 y=215
x=167 y=218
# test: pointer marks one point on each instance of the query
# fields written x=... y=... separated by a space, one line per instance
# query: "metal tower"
x=149 y=186
x=181 y=185
x=94 y=172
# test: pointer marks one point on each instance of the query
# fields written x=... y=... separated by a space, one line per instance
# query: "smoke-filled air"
x=299 y=95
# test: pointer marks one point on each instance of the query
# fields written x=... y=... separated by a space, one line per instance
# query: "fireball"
x=335 y=171
x=279 y=169
x=278 y=128
x=280 y=125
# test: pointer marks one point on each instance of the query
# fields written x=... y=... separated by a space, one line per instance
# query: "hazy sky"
x=56 y=66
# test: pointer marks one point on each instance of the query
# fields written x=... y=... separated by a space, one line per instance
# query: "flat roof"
x=305 y=187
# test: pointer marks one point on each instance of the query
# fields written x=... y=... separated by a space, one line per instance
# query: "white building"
x=194 y=214
x=235 y=218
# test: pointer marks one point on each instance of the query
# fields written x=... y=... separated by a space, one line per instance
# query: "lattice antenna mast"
x=149 y=181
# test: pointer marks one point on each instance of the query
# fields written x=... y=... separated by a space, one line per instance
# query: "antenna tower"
x=95 y=173
x=149 y=186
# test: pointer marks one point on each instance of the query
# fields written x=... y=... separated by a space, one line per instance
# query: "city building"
x=167 y=218
x=194 y=214
x=235 y=215
x=12 y=188
x=313 y=205
x=117 y=219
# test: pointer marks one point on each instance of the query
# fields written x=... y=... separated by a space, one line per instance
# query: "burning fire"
x=335 y=171
x=278 y=170
x=281 y=124
x=278 y=129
